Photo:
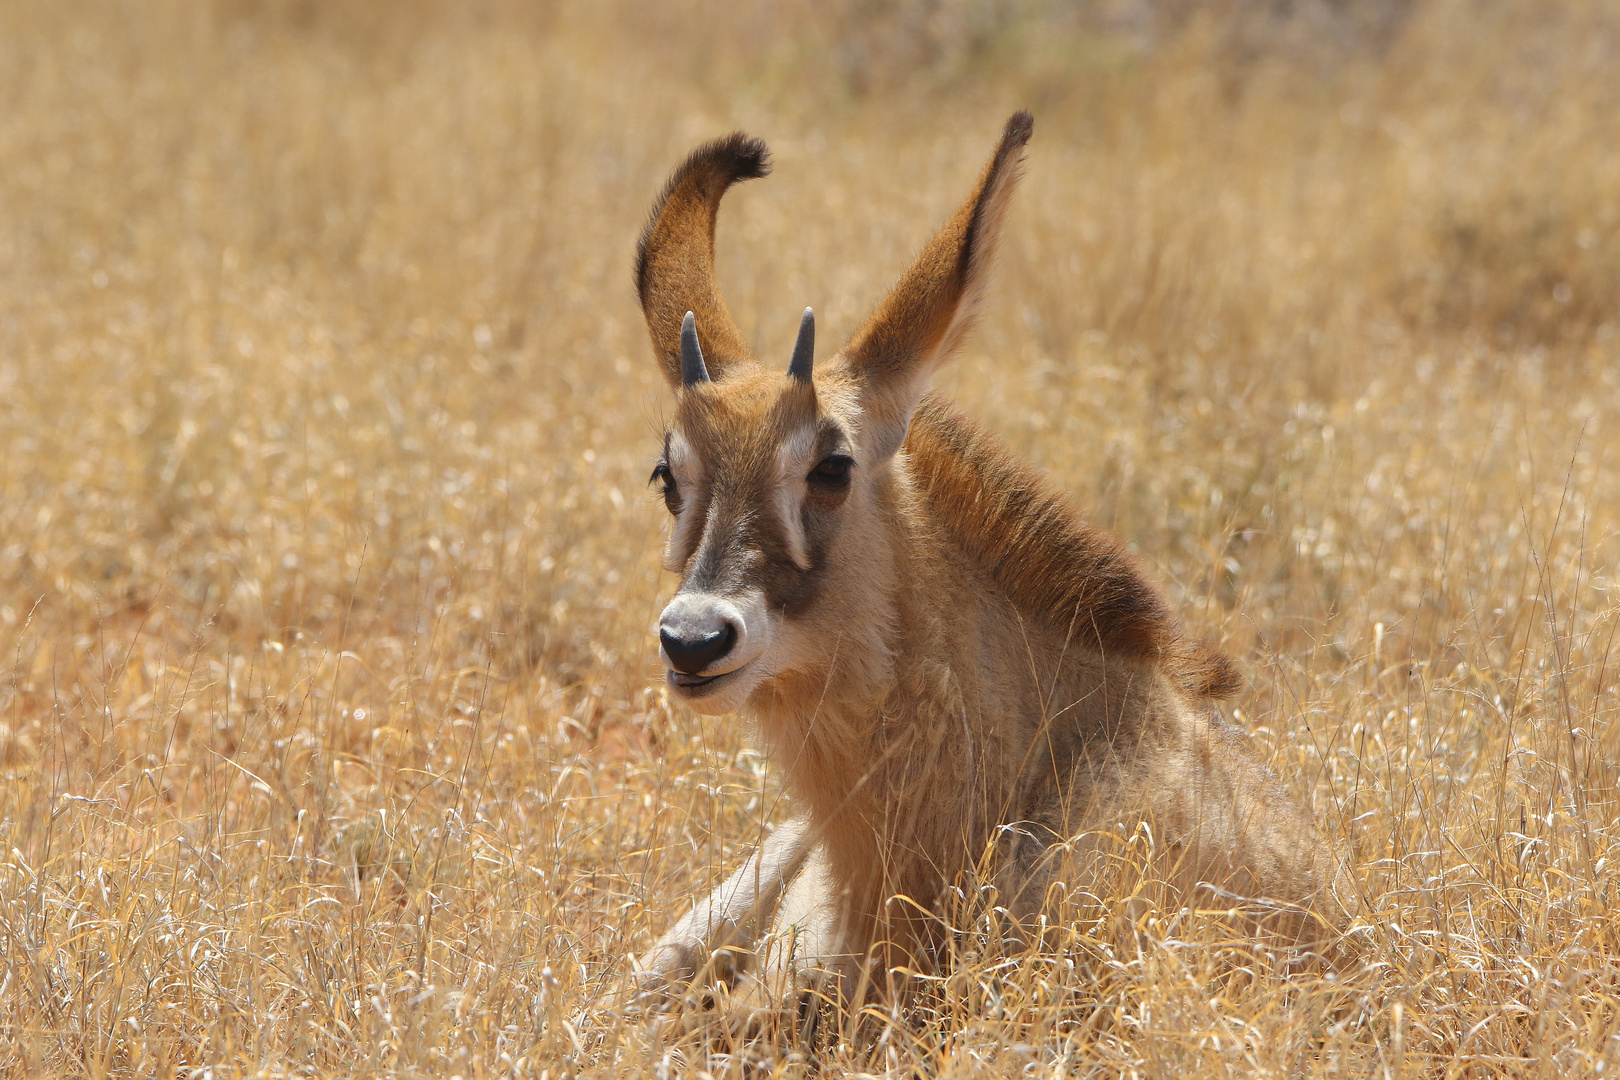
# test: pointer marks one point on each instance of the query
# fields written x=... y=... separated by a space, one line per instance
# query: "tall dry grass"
x=328 y=708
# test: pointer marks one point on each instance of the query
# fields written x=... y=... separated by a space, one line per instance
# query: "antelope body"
x=942 y=658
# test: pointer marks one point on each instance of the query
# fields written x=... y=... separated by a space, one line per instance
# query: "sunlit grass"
x=329 y=713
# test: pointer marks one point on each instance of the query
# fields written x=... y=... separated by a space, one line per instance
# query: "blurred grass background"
x=329 y=713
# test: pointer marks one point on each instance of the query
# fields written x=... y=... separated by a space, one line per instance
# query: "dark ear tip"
x=737 y=156
x=1020 y=126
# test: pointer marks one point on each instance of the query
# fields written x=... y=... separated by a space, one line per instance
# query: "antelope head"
x=780 y=478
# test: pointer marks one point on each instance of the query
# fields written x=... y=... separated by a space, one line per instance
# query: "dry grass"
x=326 y=569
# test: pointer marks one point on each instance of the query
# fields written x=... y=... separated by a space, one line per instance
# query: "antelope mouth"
x=694 y=685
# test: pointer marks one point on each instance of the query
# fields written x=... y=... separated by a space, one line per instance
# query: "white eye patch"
x=793 y=464
x=683 y=466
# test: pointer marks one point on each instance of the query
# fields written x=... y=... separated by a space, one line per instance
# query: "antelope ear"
x=928 y=313
x=675 y=258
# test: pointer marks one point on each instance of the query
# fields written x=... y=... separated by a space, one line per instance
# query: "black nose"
x=691 y=655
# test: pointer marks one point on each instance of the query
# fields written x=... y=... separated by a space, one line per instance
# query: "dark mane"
x=1077 y=580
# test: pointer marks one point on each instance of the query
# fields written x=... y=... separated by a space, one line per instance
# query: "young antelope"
x=944 y=661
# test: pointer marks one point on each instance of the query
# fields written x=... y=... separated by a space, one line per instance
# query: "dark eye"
x=832 y=470
x=672 y=495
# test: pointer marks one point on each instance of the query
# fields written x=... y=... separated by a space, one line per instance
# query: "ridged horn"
x=804 y=349
x=693 y=370
x=675 y=258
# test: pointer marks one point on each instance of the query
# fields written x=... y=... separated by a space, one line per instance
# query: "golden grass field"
x=331 y=718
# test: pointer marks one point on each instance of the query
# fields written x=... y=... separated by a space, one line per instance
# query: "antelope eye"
x=832 y=469
x=672 y=495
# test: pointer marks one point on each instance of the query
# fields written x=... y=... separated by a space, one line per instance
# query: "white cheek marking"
x=792 y=465
x=788 y=503
x=682 y=466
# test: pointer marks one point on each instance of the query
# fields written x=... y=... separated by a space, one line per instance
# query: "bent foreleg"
x=725 y=923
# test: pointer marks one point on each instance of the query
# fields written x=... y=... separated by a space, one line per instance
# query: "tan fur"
x=1075 y=579
x=675 y=259
x=954 y=663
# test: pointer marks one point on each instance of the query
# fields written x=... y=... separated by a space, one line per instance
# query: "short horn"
x=692 y=369
x=804 y=349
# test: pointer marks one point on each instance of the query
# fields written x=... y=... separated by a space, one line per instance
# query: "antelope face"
x=774 y=481
x=757 y=472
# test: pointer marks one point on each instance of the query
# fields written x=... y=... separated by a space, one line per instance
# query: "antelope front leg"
x=806 y=960
x=808 y=946
x=727 y=919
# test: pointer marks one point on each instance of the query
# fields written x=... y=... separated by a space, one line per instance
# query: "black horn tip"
x=693 y=370
x=804 y=349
